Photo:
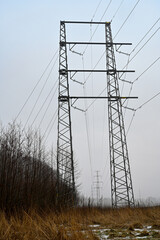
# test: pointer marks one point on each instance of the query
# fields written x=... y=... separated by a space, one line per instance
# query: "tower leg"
x=121 y=182
x=65 y=164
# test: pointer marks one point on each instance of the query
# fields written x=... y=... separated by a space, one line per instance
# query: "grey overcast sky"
x=29 y=39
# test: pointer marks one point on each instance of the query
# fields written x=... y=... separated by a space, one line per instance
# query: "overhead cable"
x=36 y=85
x=130 y=82
x=135 y=110
x=126 y=106
x=144 y=44
x=131 y=122
x=86 y=123
x=117 y=10
x=54 y=116
x=40 y=92
x=96 y=10
x=46 y=101
x=146 y=70
x=105 y=10
x=47 y=107
x=95 y=99
x=126 y=19
x=49 y=132
x=93 y=118
x=85 y=80
x=97 y=26
x=148 y=101
x=145 y=36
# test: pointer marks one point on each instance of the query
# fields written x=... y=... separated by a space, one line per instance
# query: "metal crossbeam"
x=93 y=43
x=63 y=98
x=81 y=22
x=113 y=71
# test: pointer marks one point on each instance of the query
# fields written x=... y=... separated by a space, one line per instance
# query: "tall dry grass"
x=74 y=224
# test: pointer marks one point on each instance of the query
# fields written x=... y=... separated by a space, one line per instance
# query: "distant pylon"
x=121 y=182
x=97 y=187
x=65 y=164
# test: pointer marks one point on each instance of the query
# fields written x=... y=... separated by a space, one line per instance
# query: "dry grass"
x=74 y=224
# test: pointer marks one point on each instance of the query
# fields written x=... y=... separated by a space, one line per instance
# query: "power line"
x=116 y=35
x=126 y=106
x=146 y=69
x=137 y=80
x=126 y=19
x=103 y=154
x=145 y=35
x=133 y=58
x=117 y=10
x=144 y=44
x=46 y=101
x=86 y=123
x=97 y=26
x=85 y=80
x=52 y=120
x=49 y=132
x=141 y=106
x=40 y=93
x=129 y=94
x=95 y=99
x=106 y=10
x=118 y=30
x=148 y=101
x=125 y=75
x=48 y=107
x=96 y=10
x=130 y=122
x=127 y=62
x=93 y=119
x=36 y=85
x=143 y=71
x=121 y=75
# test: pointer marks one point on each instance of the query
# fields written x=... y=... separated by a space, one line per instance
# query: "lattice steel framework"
x=121 y=182
x=65 y=164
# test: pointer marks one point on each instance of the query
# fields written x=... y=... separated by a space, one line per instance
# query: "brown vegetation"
x=78 y=223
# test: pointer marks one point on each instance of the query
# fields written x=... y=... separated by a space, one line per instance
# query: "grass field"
x=82 y=223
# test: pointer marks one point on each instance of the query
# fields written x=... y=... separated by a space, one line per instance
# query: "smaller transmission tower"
x=97 y=188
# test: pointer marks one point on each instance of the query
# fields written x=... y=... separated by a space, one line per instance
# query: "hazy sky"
x=29 y=39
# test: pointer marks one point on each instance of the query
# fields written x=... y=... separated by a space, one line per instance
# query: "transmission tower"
x=97 y=187
x=121 y=182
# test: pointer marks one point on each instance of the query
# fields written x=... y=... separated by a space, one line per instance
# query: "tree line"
x=28 y=176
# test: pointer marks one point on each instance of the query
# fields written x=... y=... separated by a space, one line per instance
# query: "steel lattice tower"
x=65 y=165
x=121 y=182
